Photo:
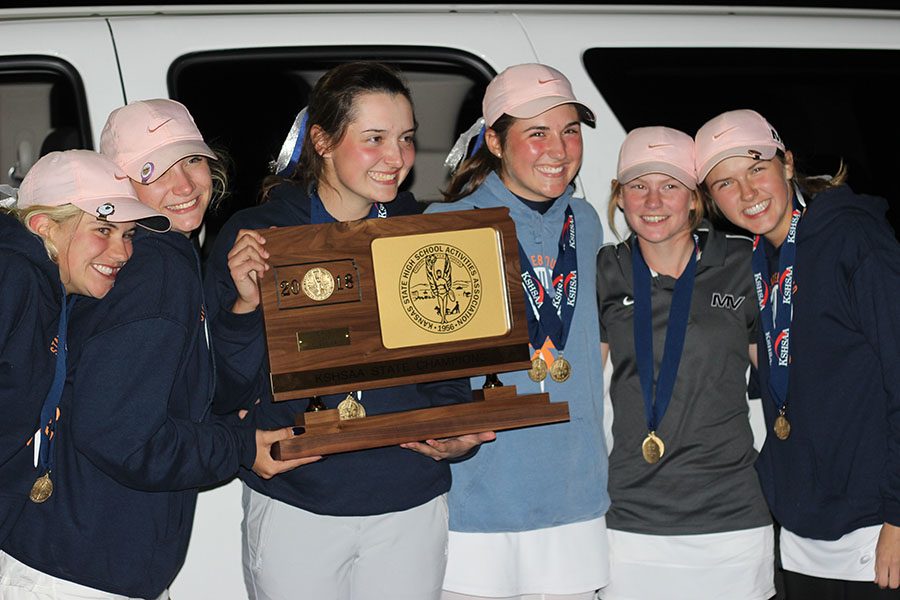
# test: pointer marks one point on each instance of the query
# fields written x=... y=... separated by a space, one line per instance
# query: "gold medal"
x=653 y=448
x=350 y=408
x=782 y=426
x=41 y=489
x=538 y=371
x=561 y=370
x=318 y=284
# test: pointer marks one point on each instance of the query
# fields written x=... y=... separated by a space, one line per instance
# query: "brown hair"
x=475 y=169
x=332 y=106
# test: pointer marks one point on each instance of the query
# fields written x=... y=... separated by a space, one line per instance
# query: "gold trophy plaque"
x=382 y=302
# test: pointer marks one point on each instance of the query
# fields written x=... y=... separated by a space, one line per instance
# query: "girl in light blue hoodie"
x=527 y=513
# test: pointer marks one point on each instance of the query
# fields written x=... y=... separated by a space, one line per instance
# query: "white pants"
x=18 y=581
x=293 y=554
x=584 y=596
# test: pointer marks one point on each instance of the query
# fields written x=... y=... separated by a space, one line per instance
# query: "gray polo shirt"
x=705 y=482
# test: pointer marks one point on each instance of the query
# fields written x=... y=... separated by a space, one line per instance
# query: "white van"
x=821 y=76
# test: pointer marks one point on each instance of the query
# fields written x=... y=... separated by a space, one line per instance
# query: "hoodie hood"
x=15 y=239
x=839 y=203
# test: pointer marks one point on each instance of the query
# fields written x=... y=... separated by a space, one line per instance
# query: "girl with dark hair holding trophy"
x=364 y=525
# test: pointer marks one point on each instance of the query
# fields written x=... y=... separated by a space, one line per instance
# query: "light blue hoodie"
x=548 y=475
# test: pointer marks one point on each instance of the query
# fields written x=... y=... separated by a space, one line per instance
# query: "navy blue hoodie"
x=840 y=468
x=135 y=440
x=366 y=482
x=30 y=295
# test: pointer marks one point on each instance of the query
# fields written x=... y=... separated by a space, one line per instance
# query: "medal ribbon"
x=676 y=328
x=51 y=402
x=553 y=319
x=318 y=214
x=775 y=305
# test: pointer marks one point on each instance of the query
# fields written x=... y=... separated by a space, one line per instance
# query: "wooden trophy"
x=382 y=302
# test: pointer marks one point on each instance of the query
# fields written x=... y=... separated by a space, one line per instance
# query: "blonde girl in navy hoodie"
x=826 y=267
x=139 y=441
x=67 y=233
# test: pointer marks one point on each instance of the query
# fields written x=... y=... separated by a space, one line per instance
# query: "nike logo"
x=657 y=145
x=627 y=301
x=543 y=81
x=153 y=129
x=721 y=133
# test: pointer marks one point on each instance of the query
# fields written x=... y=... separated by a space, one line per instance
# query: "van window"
x=827 y=105
x=245 y=102
x=42 y=109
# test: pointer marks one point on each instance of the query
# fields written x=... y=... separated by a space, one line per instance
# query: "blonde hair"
x=218 y=171
x=813 y=185
x=697 y=214
x=58 y=214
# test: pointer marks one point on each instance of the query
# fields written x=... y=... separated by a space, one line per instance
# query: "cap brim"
x=125 y=210
x=671 y=170
x=756 y=151
x=162 y=159
x=538 y=106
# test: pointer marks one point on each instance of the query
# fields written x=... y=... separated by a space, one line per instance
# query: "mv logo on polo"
x=729 y=301
x=440 y=288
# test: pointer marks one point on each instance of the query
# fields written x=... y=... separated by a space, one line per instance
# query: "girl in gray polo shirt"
x=688 y=519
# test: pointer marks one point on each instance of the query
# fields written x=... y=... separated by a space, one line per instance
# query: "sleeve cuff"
x=230 y=325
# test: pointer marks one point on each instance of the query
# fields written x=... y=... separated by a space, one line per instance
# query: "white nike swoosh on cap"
x=627 y=301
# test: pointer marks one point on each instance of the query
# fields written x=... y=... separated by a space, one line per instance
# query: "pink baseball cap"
x=91 y=182
x=741 y=132
x=146 y=137
x=657 y=150
x=527 y=90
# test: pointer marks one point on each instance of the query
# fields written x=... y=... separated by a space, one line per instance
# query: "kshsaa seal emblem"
x=318 y=284
x=440 y=288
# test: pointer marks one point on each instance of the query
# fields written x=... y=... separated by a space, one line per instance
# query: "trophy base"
x=493 y=409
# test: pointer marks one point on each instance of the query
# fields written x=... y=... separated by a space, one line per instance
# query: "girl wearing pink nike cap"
x=138 y=439
x=688 y=520
x=64 y=234
x=826 y=272
x=527 y=512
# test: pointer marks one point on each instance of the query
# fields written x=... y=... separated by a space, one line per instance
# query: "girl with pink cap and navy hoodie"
x=826 y=272
x=527 y=513
x=688 y=520
x=137 y=441
x=65 y=234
